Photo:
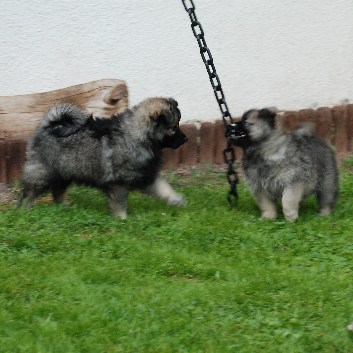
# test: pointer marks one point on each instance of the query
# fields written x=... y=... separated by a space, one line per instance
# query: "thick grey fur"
x=286 y=166
x=116 y=155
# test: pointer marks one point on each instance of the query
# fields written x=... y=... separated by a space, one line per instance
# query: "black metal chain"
x=229 y=158
x=228 y=153
x=208 y=61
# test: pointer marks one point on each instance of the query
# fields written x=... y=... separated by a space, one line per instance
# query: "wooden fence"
x=206 y=141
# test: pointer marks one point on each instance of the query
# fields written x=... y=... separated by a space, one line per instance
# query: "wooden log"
x=19 y=115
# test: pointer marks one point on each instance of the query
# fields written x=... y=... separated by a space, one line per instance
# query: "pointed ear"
x=158 y=109
x=162 y=110
x=173 y=102
x=160 y=115
x=269 y=116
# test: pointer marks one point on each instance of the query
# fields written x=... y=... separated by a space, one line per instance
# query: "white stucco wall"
x=291 y=54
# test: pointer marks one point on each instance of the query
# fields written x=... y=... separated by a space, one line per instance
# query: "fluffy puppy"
x=285 y=166
x=115 y=155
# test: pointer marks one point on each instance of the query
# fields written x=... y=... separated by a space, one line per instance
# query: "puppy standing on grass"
x=116 y=155
x=287 y=167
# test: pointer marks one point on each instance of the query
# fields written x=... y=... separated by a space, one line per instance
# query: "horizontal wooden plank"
x=20 y=114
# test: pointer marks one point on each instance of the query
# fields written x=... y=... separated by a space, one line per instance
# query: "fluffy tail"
x=305 y=129
x=64 y=119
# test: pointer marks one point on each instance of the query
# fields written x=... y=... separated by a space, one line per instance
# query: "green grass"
x=203 y=278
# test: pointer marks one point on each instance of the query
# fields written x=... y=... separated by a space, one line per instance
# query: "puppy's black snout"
x=174 y=141
x=238 y=134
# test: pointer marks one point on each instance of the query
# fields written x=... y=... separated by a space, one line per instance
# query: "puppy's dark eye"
x=247 y=124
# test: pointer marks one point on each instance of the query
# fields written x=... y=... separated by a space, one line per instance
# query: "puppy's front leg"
x=292 y=195
x=164 y=191
x=117 y=197
x=267 y=206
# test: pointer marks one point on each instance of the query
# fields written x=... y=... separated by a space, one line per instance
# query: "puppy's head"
x=255 y=126
x=164 y=117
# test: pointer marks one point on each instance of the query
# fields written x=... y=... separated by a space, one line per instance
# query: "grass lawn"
x=203 y=278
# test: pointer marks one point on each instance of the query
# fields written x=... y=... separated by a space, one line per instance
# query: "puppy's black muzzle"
x=238 y=134
x=174 y=141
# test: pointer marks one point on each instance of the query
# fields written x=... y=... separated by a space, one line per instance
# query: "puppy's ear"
x=170 y=109
x=160 y=109
x=161 y=116
x=269 y=116
x=173 y=102
x=278 y=119
x=156 y=108
x=273 y=109
x=166 y=111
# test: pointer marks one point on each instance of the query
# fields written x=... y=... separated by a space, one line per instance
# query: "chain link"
x=228 y=153
x=229 y=158
x=208 y=61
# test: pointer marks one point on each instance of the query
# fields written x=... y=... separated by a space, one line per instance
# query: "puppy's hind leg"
x=32 y=193
x=327 y=196
x=292 y=195
x=22 y=197
x=36 y=181
x=29 y=194
x=58 y=190
x=117 y=198
x=267 y=206
x=164 y=191
x=326 y=203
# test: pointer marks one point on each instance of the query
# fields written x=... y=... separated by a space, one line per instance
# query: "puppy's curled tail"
x=305 y=129
x=64 y=119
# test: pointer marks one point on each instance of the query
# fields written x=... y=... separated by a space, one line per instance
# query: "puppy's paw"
x=269 y=215
x=122 y=214
x=291 y=217
x=176 y=200
x=325 y=211
x=290 y=213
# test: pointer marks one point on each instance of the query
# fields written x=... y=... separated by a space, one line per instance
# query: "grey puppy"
x=116 y=155
x=285 y=166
